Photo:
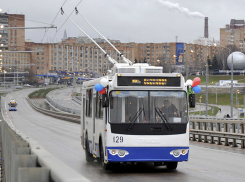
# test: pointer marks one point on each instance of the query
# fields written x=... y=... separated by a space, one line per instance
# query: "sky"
x=139 y=21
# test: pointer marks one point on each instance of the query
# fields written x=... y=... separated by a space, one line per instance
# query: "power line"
x=65 y=21
x=27 y=19
x=52 y=21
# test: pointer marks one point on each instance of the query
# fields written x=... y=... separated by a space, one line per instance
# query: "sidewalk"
x=224 y=110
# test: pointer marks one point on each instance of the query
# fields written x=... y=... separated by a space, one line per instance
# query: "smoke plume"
x=183 y=10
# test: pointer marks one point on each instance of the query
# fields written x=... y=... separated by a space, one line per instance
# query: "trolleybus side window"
x=99 y=109
x=89 y=103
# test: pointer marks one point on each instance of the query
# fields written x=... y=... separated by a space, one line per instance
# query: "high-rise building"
x=233 y=34
x=12 y=39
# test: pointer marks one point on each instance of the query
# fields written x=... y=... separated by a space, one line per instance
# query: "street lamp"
x=231 y=79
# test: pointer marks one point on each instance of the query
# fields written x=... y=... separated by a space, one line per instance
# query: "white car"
x=27 y=85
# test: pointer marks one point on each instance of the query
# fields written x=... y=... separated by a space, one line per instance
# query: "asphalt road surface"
x=63 y=97
x=62 y=139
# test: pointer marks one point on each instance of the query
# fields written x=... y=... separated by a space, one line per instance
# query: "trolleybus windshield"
x=124 y=106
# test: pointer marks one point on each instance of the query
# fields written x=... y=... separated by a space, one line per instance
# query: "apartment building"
x=70 y=56
x=12 y=40
x=75 y=57
x=233 y=34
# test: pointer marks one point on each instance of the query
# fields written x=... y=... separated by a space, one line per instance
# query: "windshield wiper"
x=135 y=118
x=164 y=119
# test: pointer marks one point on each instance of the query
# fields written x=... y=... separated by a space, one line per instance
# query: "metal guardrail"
x=24 y=160
x=218 y=131
x=215 y=118
x=62 y=108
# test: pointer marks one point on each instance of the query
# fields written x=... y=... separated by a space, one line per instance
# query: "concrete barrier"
x=24 y=160
x=60 y=115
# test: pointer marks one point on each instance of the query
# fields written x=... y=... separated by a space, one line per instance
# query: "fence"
x=220 y=131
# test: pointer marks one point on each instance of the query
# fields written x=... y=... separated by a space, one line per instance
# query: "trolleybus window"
x=148 y=106
x=99 y=109
x=89 y=103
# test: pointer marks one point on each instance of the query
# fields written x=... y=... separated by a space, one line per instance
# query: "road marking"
x=196 y=170
x=218 y=150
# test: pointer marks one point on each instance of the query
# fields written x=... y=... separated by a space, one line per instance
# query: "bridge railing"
x=218 y=131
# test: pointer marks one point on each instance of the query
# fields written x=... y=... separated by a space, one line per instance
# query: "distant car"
x=17 y=87
x=27 y=85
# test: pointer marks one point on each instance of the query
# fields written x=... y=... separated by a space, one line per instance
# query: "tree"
x=30 y=77
x=214 y=63
x=223 y=54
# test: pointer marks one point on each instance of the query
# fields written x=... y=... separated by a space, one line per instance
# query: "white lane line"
x=217 y=150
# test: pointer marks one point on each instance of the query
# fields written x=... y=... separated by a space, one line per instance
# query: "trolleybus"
x=128 y=123
x=12 y=105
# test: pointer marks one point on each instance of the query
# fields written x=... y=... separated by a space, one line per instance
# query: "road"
x=62 y=139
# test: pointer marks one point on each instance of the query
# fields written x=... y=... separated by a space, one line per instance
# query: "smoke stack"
x=206 y=27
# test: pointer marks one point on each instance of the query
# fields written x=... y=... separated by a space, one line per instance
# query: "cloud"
x=183 y=10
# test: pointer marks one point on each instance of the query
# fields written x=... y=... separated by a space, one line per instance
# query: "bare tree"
x=30 y=77
x=223 y=54
x=166 y=65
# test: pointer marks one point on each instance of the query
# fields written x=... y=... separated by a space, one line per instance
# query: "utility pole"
x=232 y=86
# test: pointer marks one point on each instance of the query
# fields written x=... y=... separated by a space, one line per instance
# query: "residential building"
x=233 y=34
x=70 y=56
x=13 y=40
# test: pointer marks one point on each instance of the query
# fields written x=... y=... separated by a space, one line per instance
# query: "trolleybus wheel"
x=171 y=165
x=89 y=157
x=102 y=160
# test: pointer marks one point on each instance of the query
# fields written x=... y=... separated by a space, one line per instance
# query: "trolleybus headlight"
x=176 y=153
x=121 y=153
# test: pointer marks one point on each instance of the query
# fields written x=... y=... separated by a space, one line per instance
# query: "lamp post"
x=4 y=79
x=207 y=88
x=231 y=78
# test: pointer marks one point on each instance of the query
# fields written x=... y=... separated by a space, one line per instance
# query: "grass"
x=212 y=79
x=216 y=110
x=41 y=93
x=222 y=99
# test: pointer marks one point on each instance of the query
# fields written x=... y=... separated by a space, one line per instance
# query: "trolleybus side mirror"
x=105 y=100
x=192 y=102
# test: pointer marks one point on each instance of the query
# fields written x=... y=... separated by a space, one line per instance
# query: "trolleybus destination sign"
x=148 y=81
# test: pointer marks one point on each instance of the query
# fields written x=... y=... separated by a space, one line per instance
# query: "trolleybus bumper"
x=147 y=154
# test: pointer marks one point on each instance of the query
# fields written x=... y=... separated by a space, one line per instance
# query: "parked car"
x=27 y=85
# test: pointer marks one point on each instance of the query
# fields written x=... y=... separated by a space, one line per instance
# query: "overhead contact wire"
x=65 y=21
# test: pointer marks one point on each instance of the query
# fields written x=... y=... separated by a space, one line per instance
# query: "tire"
x=88 y=155
x=171 y=165
x=103 y=164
